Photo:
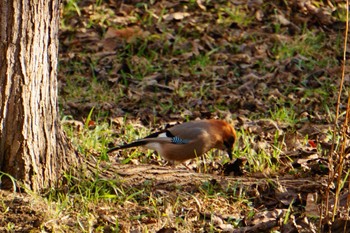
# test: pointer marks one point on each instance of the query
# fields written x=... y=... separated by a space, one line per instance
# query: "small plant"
x=261 y=157
x=10 y=227
x=11 y=178
x=4 y=207
x=285 y=115
x=88 y=137
x=233 y=14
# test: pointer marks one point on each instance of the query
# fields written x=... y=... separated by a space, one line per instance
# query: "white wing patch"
x=162 y=135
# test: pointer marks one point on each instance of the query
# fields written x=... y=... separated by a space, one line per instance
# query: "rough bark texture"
x=33 y=148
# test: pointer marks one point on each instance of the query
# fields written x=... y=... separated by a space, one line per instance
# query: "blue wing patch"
x=177 y=140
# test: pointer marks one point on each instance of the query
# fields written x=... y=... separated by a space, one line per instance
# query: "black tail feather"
x=133 y=144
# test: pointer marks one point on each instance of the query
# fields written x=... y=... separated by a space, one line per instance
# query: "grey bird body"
x=188 y=140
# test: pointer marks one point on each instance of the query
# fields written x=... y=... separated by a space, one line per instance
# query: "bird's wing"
x=185 y=133
x=165 y=137
x=161 y=137
x=180 y=134
x=189 y=132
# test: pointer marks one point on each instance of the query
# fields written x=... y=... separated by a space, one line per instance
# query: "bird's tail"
x=133 y=144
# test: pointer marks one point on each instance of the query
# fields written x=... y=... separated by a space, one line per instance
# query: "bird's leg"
x=168 y=163
x=184 y=163
x=174 y=163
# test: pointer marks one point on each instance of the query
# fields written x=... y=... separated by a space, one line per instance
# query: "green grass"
x=95 y=140
x=309 y=45
x=284 y=115
x=87 y=139
x=230 y=14
x=87 y=199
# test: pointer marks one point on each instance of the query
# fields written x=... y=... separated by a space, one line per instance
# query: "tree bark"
x=33 y=148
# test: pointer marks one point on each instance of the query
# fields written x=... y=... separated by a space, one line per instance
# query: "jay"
x=188 y=140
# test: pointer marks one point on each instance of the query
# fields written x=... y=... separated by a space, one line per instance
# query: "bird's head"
x=226 y=136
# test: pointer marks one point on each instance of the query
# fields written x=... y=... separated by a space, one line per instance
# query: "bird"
x=188 y=140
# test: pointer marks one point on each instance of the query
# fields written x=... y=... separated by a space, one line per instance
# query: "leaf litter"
x=167 y=61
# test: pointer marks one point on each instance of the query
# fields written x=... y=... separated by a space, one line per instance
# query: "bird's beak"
x=229 y=152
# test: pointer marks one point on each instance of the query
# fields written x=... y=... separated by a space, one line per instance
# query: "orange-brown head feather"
x=225 y=135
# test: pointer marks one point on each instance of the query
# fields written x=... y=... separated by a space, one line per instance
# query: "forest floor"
x=127 y=68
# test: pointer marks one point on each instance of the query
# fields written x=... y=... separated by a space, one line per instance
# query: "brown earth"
x=176 y=60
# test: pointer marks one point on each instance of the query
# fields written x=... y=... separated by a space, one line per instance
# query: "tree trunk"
x=33 y=148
